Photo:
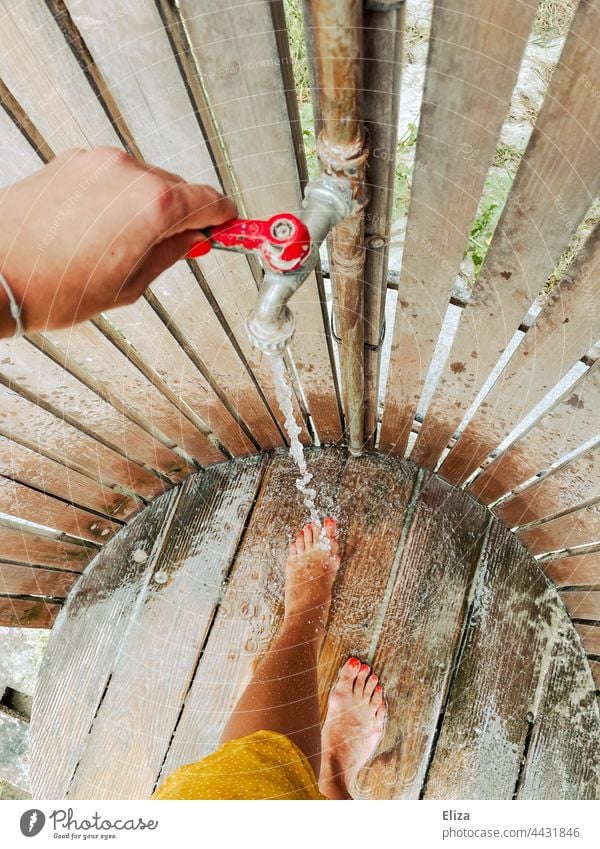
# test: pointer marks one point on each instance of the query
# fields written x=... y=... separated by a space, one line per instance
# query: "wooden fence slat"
x=438 y=564
x=118 y=578
x=577 y=528
x=557 y=180
x=493 y=690
x=140 y=710
x=34 y=470
x=569 y=324
x=582 y=604
x=567 y=488
x=26 y=503
x=566 y=710
x=579 y=569
x=590 y=637
x=595 y=667
x=473 y=63
x=49 y=434
x=563 y=429
x=27 y=580
x=236 y=49
x=251 y=610
x=85 y=351
x=27 y=613
x=22 y=547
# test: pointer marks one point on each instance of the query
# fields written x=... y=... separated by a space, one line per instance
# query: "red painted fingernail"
x=199 y=249
x=364 y=667
x=354 y=662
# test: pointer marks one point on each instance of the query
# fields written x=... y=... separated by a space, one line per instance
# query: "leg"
x=282 y=695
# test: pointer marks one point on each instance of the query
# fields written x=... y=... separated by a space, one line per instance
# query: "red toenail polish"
x=364 y=667
x=374 y=679
x=329 y=522
x=354 y=662
x=379 y=687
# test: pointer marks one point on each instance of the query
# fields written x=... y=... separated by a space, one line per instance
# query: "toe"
x=359 y=684
x=350 y=670
x=330 y=526
x=370 y=685
x=300 y=542
x=307 y=530
x=377 y=698
x=292 y=550
x=381 y=711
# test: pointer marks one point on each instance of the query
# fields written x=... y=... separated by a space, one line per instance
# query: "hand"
x=91 y=230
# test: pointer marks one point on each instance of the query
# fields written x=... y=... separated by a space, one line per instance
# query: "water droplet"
x=139 y=555
x=161 y=577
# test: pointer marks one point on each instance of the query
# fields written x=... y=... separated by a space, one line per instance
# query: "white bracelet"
x=15 y=309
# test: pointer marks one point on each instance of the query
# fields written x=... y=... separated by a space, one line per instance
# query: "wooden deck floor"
x=490 y=693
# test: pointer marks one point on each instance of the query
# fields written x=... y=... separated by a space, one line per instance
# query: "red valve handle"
x=282 y=240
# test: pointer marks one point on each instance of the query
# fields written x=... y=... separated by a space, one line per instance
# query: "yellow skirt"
x=263 y=765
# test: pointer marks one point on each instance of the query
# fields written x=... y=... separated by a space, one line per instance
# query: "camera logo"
x=32 y=822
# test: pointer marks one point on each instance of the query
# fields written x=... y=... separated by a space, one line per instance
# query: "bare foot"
x=310 y=573
x=354 y=725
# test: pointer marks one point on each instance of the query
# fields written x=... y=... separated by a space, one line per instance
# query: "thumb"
x=158 y=258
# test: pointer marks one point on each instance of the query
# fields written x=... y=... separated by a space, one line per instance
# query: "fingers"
x=155 y=261
x=193 y=207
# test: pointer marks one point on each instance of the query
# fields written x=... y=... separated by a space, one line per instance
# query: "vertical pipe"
x=337 y=33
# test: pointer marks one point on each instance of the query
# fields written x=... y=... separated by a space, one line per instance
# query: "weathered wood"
x=26 y=503
x=577 y=528
x=590 y=637
x=257 y=133
x=413 y=659
x=595 y=667
x=23 y=547
x=557 y=180
x=459 y=127
x=582 y=604
x=563 y=429
x=566 y=489
x=34 y=470
x=27 y=613
x=251 y=610
x=569 y=323
x=566 y=711
x=50 y=435
x=28 y=580
x=14 y=732
x=148 y=687
x=85 y=642
x=494 y=689
x=582 y=569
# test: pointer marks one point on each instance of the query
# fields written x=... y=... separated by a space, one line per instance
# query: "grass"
x=414 y=34
x=553 y=20
x=589 y=222
x=495 y=192
x=402 y=182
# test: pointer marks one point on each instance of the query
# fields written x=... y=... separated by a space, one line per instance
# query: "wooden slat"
x=141 y=704
x=580 y=569
x=566 y=489
x=251 y=610
x=26 y=503
x=27 y=613
x=97 y=620
x=257 y=131
x=382 y=44
x=48 y=434
x=590 y=637
x=595 y=667
x=493 y=690
x=582 y=604
x=563 y=429
x=563 y=759
x=413 y=659
x=34 y=470
x=577 y=528
x=24 y=368
x=23 y=547
x=472 y=68
x=27 y=580
x=567 y=325
x=557 y=180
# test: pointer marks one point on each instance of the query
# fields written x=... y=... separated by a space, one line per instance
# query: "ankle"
x=332 y=778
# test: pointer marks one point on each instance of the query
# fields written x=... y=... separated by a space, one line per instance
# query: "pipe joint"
x=347 y=162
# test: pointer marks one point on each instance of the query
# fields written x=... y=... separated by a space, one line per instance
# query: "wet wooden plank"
x=34 y=470
x=580 y=569
x=26 y=503
x=259 y=133
x=483 y=734
x=150 y=679
x=566 y=324
x=414 y=656
x=250 y=613
x=563 y=759
x=23 y=547
x=454 y=152
x=595 y=667
x=52 y=436
x=557 y=180
x=590 y=637
x=582 y=604
x=563 y=429
x=27 y=613
x=28 y=580
x=577 y=528
x=568 y=488
x=84 y=644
